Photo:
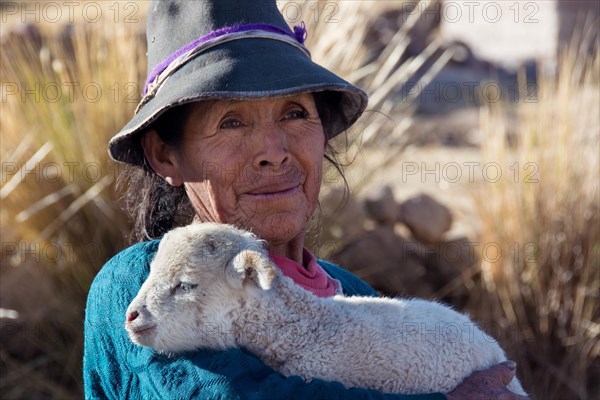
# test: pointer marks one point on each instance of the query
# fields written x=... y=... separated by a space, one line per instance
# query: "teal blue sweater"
x=115 y=368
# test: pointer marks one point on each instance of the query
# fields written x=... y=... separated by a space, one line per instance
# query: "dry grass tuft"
x=540 y=295
x=64 y=97
x=380 y=74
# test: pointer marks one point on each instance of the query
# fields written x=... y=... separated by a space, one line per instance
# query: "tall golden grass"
x=63 y=98
x=540 y=294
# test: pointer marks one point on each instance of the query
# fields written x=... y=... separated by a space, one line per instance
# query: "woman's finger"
x=506 y=371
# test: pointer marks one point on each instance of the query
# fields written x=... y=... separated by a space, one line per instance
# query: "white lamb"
x=212 y=286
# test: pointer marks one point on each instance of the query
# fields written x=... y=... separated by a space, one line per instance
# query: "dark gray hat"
x=227 y=49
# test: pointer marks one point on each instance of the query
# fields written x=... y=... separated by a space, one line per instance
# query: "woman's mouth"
x=274 y=191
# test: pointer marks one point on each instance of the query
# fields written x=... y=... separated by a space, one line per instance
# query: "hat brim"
x=243 y=69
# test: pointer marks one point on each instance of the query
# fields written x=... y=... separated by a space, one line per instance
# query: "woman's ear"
x=161 y=158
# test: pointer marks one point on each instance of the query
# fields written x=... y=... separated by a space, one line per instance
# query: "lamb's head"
x=201 y=274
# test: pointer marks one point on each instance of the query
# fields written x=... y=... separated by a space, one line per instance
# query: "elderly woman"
x=233 y=128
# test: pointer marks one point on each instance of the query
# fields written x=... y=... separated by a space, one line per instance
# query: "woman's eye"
x=185 y=287
x=297 y=114
x=230 y=124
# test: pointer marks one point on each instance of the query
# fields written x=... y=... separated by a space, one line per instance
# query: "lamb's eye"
x=184 y=286
x=211 y=245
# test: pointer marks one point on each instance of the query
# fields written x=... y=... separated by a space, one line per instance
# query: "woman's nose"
x=272 y=147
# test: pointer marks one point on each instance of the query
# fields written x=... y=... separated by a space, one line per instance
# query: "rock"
x=395 y=265
x=460 y=253
x=381 y=206
x=445 y=262
x=384 y=260
x=427 y=219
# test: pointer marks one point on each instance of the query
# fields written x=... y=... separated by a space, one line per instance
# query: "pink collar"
x=311 y=277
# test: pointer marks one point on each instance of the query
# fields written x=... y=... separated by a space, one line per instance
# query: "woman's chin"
x=270 y=218
x=279 y=227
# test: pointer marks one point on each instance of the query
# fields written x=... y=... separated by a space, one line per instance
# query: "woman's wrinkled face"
x=254 y=164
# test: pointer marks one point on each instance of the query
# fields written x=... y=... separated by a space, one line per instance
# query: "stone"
x=426 y=218
x=381 y=206
x=384 y=259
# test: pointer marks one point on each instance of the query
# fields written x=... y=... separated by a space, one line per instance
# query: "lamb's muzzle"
x=132 y=315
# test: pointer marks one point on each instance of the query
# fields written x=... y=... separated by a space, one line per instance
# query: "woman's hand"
x=488 y=384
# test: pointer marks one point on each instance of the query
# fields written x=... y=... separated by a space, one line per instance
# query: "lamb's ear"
x=250 y=266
